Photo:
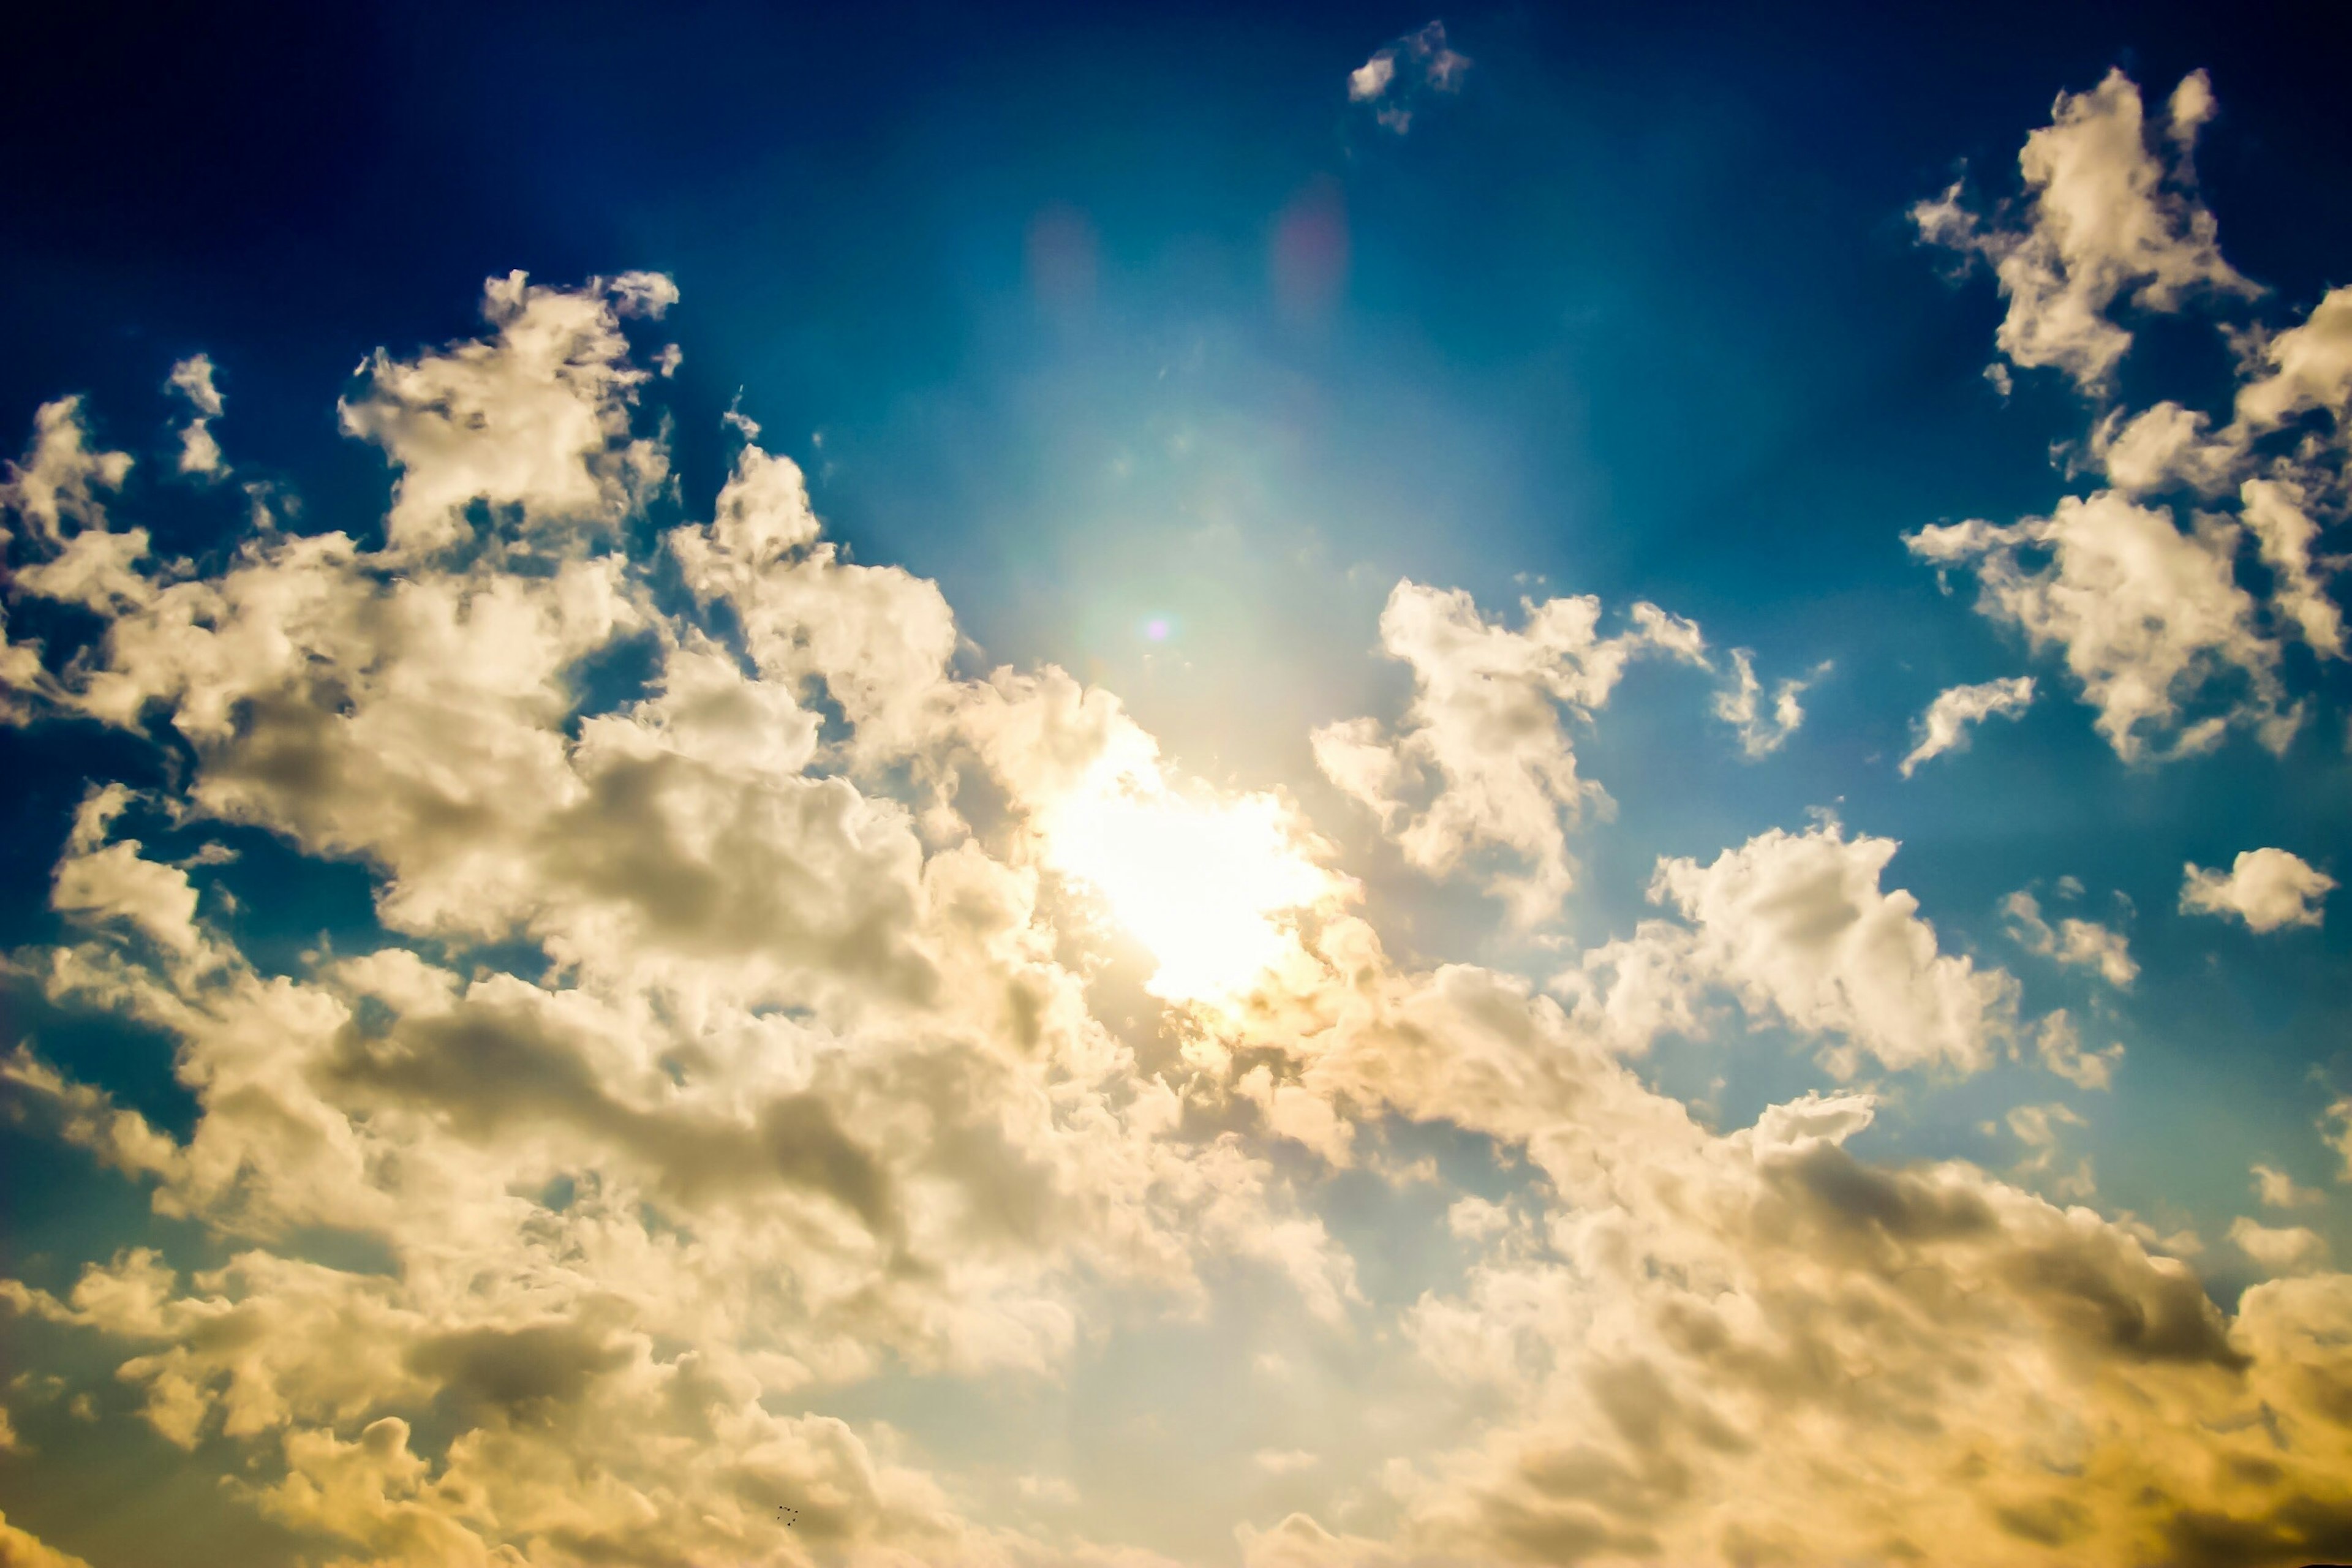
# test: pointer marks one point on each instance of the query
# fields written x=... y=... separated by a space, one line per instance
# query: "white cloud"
x=2277 y=511
x=1945 y=726
x=2282 y=1249
x=1399 y=74
x=2277 y=1190
x=1285 y=1461
x=2071 y=942
x=1741 y=705
x=1371 y=79
x=2161 y=446
x=820 y=1090
x=23 y=1548
x=2308 y=366
x=2058 y=1044
x=200 y=452
x=2267 y=889
x=1485 y=722
x=2149 y=618
x=2103 y=221
x=791 y=1074
x=1797 y=927
x=535 y=419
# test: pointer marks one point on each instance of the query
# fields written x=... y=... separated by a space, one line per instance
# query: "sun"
x=1203 y=883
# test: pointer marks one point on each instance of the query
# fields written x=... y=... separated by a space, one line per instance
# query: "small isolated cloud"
x=1401 y=75
x=1283 y=1461
x=2277 y=1190
x=2059 y=1046
x=1945 y=726
x=2282 y=1249
x=1742 y=706
x=2266 y=889
x=199 y=453
x=2103 y=220
x=2074 y=942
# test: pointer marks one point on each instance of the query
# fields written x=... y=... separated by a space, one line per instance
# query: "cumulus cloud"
x=1483 y=760
x=2071 y=942
x=2102 y=219
x=2058 y=1044
x=536 y=418
x=2146 y=607
x=1401 y=75
x=22 y=1549
x=2147 y=618
x=2267 y=889
x=2308 y=366
x=2277 y=1190
x=200 y=451
x=792 y=1084
x=1797 y=928
x=2282 y=1249
x=1945 y=726
x=742 y=1037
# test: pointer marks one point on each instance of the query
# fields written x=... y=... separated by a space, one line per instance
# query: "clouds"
x=1399 y=76
x=2267 y=889
x=782 y=1085
x=1797 y=927
x=2074 y=942
x=536 y=418
x=1742 y=706
x=2149 y=619
x=2104 y=219
x=200 y=451
x=1483 y=728
x=2148 y=607
x=818 y=1021
x=1945 y=726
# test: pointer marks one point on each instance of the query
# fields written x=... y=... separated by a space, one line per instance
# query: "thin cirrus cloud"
x=830 y=1020
x=1946 y=724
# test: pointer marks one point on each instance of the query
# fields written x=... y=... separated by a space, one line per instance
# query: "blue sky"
x=1273 y=787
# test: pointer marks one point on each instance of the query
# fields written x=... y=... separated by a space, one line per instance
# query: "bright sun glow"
x=1198 y=883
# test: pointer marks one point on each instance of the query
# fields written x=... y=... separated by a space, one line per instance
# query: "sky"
x=1274 y=787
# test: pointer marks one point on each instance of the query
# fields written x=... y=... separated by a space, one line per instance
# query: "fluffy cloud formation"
x=2071 y=942
x=200 y=451
x=1797 y=927
x=2149 y=618
x=1482 y=760
x=1945 y=726
x=2282 y=1249
x=2267 y=889
x=2102 y=219
x=789 y=1087
x=2148 y=607
x=2277 y=1190
x=752 y=1034
x=1399 y=74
